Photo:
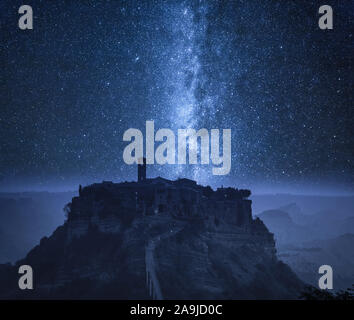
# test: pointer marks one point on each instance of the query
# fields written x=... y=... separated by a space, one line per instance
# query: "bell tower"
x=141 y=169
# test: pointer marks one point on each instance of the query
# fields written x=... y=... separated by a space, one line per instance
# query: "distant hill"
x=307 y=241
x=291 y=225
x=337 y=252
x=285 y=230
x=309 y=204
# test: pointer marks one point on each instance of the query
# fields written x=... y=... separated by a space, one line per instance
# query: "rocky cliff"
x=117 y=255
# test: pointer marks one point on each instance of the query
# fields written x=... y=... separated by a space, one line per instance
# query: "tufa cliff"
x=156 y=239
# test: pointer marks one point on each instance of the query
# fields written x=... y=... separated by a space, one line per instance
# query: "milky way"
x=92 y=69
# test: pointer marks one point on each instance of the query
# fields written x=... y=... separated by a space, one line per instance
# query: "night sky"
x=89 y=70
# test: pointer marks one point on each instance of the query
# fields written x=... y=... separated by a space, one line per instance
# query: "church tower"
x=141 y=169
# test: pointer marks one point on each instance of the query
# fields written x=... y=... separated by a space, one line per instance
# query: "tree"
x=67 y=210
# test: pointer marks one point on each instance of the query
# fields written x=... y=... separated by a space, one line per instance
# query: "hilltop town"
x=156 y=239
x=104 y=205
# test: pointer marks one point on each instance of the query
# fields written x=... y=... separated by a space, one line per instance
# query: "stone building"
x=105 y=205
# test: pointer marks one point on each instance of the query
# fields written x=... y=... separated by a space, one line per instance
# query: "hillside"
x=108 y=248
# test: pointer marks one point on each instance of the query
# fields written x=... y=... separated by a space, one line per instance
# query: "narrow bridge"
x=152 y=282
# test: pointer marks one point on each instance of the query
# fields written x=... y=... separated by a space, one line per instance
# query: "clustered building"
x=102 y=203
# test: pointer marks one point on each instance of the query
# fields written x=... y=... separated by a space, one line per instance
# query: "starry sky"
x=89 y=70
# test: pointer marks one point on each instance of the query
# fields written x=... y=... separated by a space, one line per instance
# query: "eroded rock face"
x=104 y=252
x=223 y=265
x=194 y=263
